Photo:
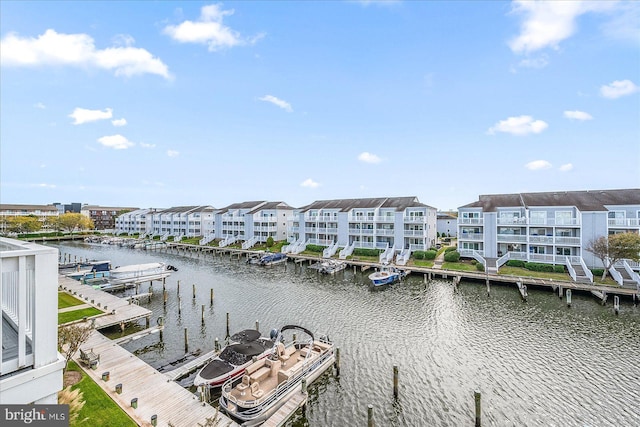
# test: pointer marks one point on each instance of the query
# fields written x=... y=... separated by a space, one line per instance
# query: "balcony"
x=358 y=231
x=415 y=219
x=573 y=241
x=622 y=222
x=518 y=238
x=478 y=237
x=28 y=284
x=414 y=233
x=470 y=221
x=385 y=232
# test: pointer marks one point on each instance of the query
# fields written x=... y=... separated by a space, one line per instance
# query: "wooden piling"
x=179 y=305
x=477 y=397
x=568 y=297
x=337 y=362
x=488 y=287
x=186 y=341
x=257 y=326
x=165 y=297
x=178 y=287
x=228 y=334
x=211 y=296
x=616 y=304
x=216 y=344
x=395 y=381
x=202 y=314
x=370 y=422
x=559 y=291
x=194 y=290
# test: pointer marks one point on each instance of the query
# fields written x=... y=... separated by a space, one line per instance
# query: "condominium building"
x=252 y=222
x=42 y=212
x=31 y=367
x=552 y=227
x=447 y=224
x=104 y=218
x=138 y=221
x=379 y=223
x=182 y=221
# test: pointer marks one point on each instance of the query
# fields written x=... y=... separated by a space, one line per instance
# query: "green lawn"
x=518 y=271
x=70 y=316
x=99 y=409
x=459 y=266
x=421 y=263
x=65 y=300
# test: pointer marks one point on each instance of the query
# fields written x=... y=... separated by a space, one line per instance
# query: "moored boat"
x=230 y=364
x=386 y=276
x=272 y=259
x=269 y=383
x=138 y=273
x=332 y=266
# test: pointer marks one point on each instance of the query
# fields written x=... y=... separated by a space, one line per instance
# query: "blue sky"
x=159 y=104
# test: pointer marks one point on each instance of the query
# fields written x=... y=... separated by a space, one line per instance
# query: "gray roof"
x=243 y=205
x=345 y=205
x=14 y=207
x=187 y=209
x=586 y=201
x=270 y=205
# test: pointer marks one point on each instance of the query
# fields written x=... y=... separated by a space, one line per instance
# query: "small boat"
x=332 y=266
x=255 y=258
x=231 y=362
x=138 y=273
x=386 y=275
x=272 y=259
x=267 y=384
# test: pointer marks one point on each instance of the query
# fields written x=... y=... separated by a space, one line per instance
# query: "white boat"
x=331 y=266
x=386 y=276
x=231 y=362
x=272 y=259
x=269 y=383
x=138 y=273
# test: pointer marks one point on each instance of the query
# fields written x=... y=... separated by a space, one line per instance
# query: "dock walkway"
x=117 y=310
x=287 y=410
x=157 y=396
x=190 y=366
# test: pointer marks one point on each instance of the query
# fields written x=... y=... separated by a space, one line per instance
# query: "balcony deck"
x=10 y=341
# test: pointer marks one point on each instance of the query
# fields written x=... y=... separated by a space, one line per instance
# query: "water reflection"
x=536 y=363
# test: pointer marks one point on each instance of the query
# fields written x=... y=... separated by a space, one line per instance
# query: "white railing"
x=387 y=232
x=567 y=240
x=503 y=260
x=615 y=274
x=634 y=276
x=622 y=222
x=249 y=243
x=587 y=272
x=470 y=253
x=541 y=239
x=521 y=238
x=300 y=247
x=165 y=236
x=347 y=250
x=230 y=239
x=207 y=239
x=414 y=233
x=418 y=247
x=286 y=249
x=178 y=237
x=570 y=269
x=545 y=258
x=472 y=236
x=382 y=259
x=330 y=251
x=403 y=258
x=415 y=219
x=470 y=221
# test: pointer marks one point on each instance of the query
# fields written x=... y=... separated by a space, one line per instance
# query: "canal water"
x=537 y=363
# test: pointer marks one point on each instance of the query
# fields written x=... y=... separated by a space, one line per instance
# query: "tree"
x=70 y=338
x=74 y=221
x=270 y=241
x=23 y=224
x=615 y=248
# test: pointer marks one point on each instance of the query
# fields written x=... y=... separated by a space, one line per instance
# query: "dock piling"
x=477 y=397
x=337 y=362
x=616 y=304
x=211 y=296
x=370 y=422
x=202 y=314
x=186 y=341
x=395 y=382
x=179 y=305
x=257 y=326
x=194 y=291
x=178 y=287
x=216 y=344
x=228 y=334
x=568 y=297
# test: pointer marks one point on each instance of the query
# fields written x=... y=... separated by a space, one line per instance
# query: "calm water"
x=536 y=363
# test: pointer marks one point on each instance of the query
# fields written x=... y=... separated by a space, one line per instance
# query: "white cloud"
x=369 y=158
x=44 y=185
x=309 y=183
x=521 y=125
x=547 y=23
x=278 y=102
x=209 y=29
x=40 y=105
x=173 y=153
x=117 y=142
x=566 y=168
x=119 y=122
x=578 y=115
x=538 y=165
x=82 y=115
x=52 y=48
x=145 y=145
x=618 y=88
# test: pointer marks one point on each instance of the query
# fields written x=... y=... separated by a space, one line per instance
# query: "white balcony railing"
x=624 y=222
x=470 y=221
x=519 y=238
x=471 y=236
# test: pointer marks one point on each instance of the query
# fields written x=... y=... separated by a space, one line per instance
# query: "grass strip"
x=70 y=316
x=65 y=300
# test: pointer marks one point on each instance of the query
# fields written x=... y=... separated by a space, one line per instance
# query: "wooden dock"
x=117 y=310
x=124 y=377
x=285 y=412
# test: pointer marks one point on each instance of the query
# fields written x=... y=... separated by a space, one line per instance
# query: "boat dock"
x=189 y=367
x=116 y=310
x=145 y=394
x=285 y=412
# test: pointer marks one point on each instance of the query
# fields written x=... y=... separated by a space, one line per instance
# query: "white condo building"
x=252 y=222
x=31 y=370
x=183 y=221
x=138 y=221
x=552 y=227
x=393 y=224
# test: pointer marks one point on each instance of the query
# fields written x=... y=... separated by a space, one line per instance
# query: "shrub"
x=598 y=272
x=480 y=267
x=430 y=254
x=451 y=248
x=365 y=252
x=534 y=266
x=558 y=269
x=316 y=248
x=419 y=254
x=452 y=256
x=269 y=241
x=515 y=263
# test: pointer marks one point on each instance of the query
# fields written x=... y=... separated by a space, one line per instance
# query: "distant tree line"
x=31 y=223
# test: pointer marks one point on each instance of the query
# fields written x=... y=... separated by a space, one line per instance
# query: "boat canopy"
x=245 y=336
x=303 y=329
x=239 y=354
